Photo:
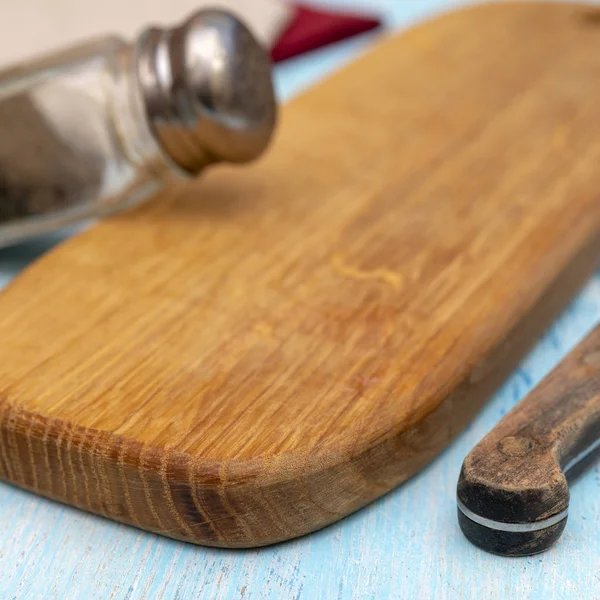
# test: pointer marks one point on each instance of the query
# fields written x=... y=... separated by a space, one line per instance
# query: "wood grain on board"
x=252 y=357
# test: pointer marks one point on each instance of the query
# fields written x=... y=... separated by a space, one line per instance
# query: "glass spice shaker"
x=101 y=126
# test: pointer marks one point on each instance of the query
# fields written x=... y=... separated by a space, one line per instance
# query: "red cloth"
x=313 y=28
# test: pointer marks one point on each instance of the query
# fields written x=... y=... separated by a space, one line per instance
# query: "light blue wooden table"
x=407 y=545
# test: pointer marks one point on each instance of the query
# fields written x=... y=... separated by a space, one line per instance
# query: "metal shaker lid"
x=208 y=90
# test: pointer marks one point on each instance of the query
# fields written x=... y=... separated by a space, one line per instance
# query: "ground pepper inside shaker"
x=39 y=172
x=102 y=126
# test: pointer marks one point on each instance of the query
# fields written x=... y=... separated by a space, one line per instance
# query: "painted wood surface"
x=406 y=545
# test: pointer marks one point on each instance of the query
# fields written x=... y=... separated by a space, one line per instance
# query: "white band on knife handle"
x=516 y=527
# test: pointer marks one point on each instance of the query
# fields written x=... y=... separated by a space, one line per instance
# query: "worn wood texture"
x=517 y=473
x=254 y=357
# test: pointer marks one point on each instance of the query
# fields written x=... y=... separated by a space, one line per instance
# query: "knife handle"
x=512 y=492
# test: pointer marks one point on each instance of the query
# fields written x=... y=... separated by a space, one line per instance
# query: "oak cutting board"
x=252 y=357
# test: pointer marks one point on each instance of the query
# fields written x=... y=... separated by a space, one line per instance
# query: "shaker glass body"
x=74 y=141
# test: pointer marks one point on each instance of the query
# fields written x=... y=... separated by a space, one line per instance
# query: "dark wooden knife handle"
x=512 y=493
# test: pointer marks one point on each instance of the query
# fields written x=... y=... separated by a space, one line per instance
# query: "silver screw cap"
x=208 y=90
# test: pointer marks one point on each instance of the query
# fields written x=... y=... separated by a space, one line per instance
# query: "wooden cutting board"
x=255 y=356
